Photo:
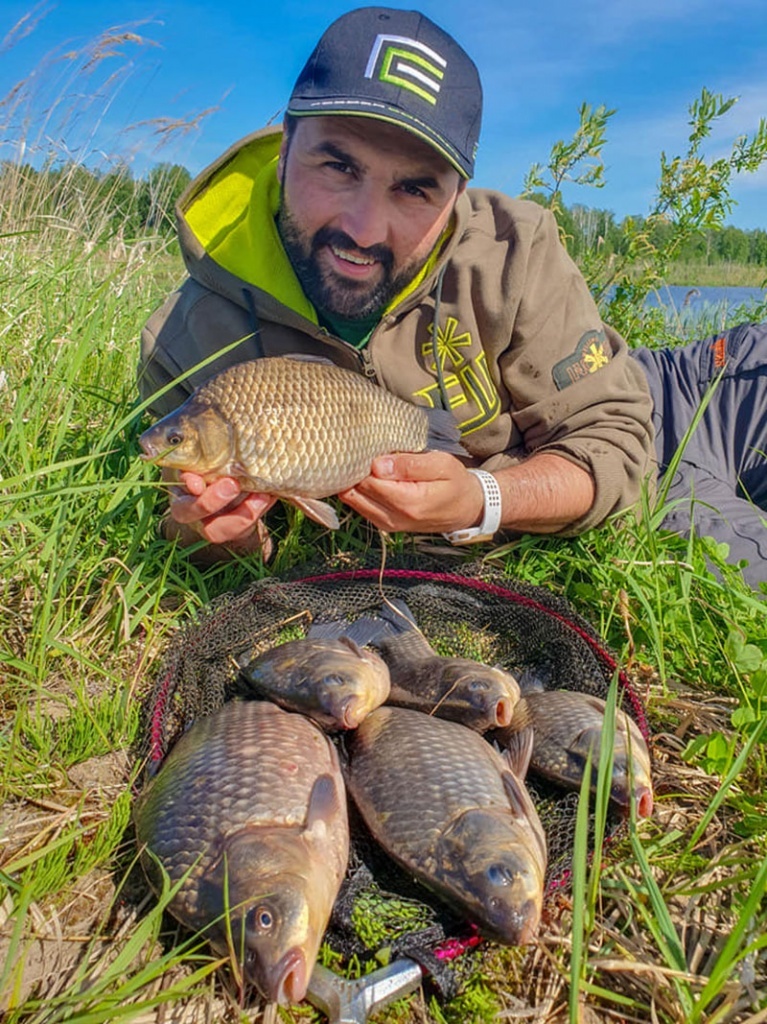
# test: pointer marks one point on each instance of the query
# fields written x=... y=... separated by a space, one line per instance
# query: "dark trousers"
x=720 y=485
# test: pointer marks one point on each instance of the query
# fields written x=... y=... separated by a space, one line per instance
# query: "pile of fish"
x=247 y=815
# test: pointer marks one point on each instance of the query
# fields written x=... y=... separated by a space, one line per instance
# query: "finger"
x=193 y=482
x=420 y=466
x=239 y=522
x=258 y=540
x=183 y=483
x=424 y=506
x=393 y=504
x=361 y=499
x=216 y=497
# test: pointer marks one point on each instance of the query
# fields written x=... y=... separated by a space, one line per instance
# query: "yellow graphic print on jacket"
x=465 y=381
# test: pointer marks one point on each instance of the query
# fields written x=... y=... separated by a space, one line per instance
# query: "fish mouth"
x=522 y=926
x=504 y=712
x=644 y=800
x=351 y=713
x=148 y=450
x=151 y=446
x=286 y=981
x=528 y=929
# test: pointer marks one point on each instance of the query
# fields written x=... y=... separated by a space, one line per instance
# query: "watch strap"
x=491 y=519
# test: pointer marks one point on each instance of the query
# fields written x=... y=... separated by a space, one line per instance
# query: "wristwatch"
x=491 y=519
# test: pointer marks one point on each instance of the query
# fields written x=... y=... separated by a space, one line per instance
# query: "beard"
x=330 y=292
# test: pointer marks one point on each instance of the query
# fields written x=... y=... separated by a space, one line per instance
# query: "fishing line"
x=385 y=600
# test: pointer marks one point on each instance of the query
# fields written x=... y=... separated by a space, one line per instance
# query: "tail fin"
x=363 y=631
x=444 y=435
x=397 y=614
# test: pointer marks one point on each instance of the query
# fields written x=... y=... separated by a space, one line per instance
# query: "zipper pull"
x=367 y=366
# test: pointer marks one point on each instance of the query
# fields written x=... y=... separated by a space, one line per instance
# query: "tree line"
x=588 y=229
x=100 y=203
x=117 y=201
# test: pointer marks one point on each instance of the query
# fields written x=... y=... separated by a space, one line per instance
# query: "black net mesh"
x=474 y=612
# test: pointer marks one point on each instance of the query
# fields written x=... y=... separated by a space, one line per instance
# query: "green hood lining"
x=234 y=212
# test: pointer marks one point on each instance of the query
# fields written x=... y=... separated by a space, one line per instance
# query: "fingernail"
x=384 y=467
x=228 y=489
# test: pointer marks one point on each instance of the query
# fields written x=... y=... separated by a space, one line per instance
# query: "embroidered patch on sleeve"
x=591 y=353
x=720 y=352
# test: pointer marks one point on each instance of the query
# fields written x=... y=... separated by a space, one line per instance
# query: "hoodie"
x=499 y=327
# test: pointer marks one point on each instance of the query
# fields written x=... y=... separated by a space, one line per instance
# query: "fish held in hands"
x=461 y=689
x=453 y=811
x=566 y=726
x=248 y=816
x=300 y=429
x=323 y=675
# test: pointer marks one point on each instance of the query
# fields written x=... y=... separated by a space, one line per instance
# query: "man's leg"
x=725 y=460
x=709 y=506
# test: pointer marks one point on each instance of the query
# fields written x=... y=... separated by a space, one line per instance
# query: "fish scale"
x=461 y=689
x=227 y=793
x=322 y=408
x=328 y=678
x=445 y=804
x=478 y=783
x=566 y=727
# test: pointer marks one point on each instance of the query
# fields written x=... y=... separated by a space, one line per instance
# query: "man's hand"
x=219 y=512
x=428 y=492
x=433 y=492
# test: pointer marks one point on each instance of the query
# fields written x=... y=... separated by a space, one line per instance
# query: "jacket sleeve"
x=155 y=370
x=185 y=334
x=575 y=390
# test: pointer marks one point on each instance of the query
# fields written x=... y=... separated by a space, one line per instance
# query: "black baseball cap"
x=399 y=67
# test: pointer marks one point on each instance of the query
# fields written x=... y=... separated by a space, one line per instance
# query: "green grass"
x=92 y=596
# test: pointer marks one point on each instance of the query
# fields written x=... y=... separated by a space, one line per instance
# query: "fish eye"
x=334 y=679
x=261 y=919
x=499 y=874
x=174 y=438
x=478 y=684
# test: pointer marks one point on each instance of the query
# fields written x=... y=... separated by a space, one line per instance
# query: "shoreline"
x=717 y=275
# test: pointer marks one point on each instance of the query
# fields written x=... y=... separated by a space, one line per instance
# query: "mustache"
x=340 y=240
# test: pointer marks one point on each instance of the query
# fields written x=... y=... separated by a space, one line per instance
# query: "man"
x=351 y=235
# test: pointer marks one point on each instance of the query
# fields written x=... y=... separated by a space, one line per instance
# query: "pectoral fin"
x=523 y=810
x=324 y=803
x=315 y=509
x=588 y=740
x=519 y=751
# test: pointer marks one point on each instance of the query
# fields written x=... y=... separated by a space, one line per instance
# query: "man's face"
x=363 y=204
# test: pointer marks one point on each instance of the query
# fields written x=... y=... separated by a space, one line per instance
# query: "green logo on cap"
x=408 y=64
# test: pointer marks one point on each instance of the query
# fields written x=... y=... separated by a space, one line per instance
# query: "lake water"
x=699 y=300
x=695 y=312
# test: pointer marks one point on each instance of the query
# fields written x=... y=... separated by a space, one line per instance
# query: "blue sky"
x=648 y=59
